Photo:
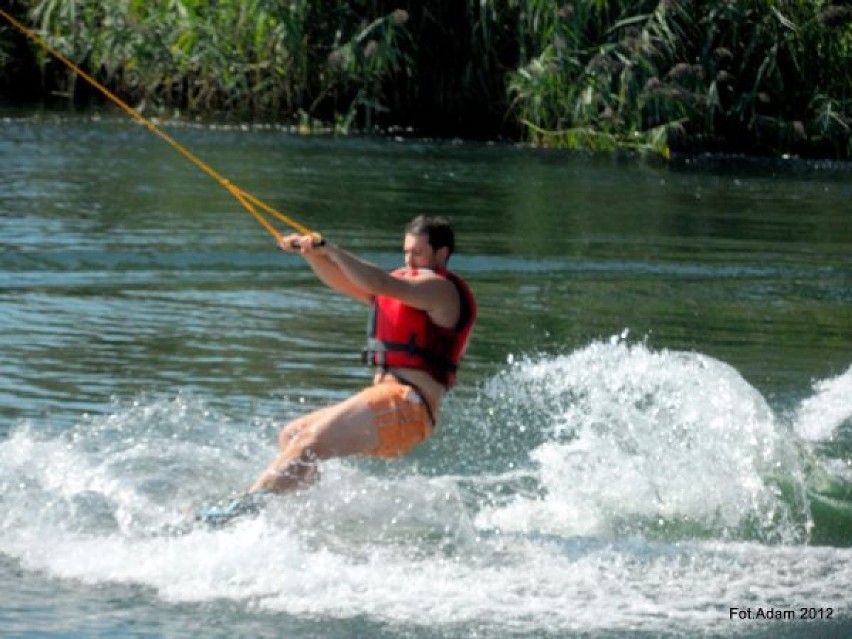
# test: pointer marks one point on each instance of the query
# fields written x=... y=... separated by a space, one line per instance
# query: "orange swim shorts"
x=401 y=417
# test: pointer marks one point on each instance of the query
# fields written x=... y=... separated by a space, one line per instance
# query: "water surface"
x=653 y=425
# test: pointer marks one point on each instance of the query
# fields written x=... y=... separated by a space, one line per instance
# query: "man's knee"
x=285 y=435
x=302 y=442
x=292 y=431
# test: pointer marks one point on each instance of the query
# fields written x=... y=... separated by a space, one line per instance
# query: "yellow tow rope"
x=250 y=202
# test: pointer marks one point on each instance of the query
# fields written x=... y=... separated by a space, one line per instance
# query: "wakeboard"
x=247 y=505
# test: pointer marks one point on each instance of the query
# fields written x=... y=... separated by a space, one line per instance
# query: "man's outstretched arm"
x=326 y=270
x=428 y=292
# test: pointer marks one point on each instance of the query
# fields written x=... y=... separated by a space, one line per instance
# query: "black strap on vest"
x=381 y=348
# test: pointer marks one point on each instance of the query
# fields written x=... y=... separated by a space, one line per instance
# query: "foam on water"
x=642 y=441
x=828 y=411
x=657 y=491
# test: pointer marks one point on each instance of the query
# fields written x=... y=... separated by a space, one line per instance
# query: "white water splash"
x=643 y=439
x=633 y=435
x=821 y=416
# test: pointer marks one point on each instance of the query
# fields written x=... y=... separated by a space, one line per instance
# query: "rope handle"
x=249 y=201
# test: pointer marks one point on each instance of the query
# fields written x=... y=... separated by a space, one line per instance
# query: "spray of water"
x=668 y=444
x=637 y=484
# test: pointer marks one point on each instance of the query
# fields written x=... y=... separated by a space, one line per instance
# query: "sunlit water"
x=654 y=425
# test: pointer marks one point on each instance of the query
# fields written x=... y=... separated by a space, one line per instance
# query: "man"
x=421 y=320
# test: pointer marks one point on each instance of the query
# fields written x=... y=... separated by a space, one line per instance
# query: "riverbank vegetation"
x=766 y=77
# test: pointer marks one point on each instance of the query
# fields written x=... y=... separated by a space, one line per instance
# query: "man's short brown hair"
x=438 y=228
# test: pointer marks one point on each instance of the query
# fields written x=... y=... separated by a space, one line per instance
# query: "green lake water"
x=653 y=424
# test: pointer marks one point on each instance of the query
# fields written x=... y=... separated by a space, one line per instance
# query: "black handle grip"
x=319 y=240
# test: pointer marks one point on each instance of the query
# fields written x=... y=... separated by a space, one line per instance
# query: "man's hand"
x=304 y=244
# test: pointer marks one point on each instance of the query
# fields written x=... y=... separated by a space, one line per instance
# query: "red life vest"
x=406 y=337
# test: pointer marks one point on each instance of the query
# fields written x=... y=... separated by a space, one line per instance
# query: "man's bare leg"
x=343 y=429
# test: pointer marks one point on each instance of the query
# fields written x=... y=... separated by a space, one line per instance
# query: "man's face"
x=418 y=252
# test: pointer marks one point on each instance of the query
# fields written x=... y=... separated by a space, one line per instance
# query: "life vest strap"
x=380 y=348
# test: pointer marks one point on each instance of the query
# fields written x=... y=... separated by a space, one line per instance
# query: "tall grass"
x=243 y=57
x=692 y=75
x=761 y=76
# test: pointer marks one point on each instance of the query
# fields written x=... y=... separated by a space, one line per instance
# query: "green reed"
x=760 y=76
x=243 y=57
x=693 y=75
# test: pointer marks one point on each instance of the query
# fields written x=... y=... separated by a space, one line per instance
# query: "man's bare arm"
x=325 y=269
x=428 y=292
